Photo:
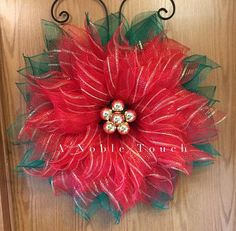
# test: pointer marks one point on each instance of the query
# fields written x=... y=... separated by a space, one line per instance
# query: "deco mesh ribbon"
x=82 y=72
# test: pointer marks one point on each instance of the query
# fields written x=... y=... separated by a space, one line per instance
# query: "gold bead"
x=118 y=105
x=123 y=128
x=130 y=116
x=106 y=113
x=109 y=127
x=117 y=118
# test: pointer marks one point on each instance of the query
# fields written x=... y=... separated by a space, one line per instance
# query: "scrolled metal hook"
x=159 y=12
x=66 y=15
x=121 y=9
x=63 y=13
x=107 y=17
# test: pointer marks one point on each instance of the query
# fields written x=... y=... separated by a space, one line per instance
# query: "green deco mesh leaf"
x=162 y=203
x=114 y=23
x=101 y=201
x=207 y=91
x=52 y=33
x=24 y=91
x=202 y=163
x=40 y=65
x=206 y=148
x=27 y=161
x=202 y=66
x=199 y=67
x=37 y=65
x=14 y=130
x=143 y=27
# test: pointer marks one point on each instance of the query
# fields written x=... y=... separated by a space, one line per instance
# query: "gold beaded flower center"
x=117 y=118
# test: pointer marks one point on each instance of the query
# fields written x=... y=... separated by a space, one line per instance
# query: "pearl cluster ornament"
x=117 y=118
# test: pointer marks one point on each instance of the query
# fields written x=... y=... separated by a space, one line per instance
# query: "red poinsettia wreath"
x=112 y=120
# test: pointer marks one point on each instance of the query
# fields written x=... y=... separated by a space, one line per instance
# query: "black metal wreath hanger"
x=64 y=16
